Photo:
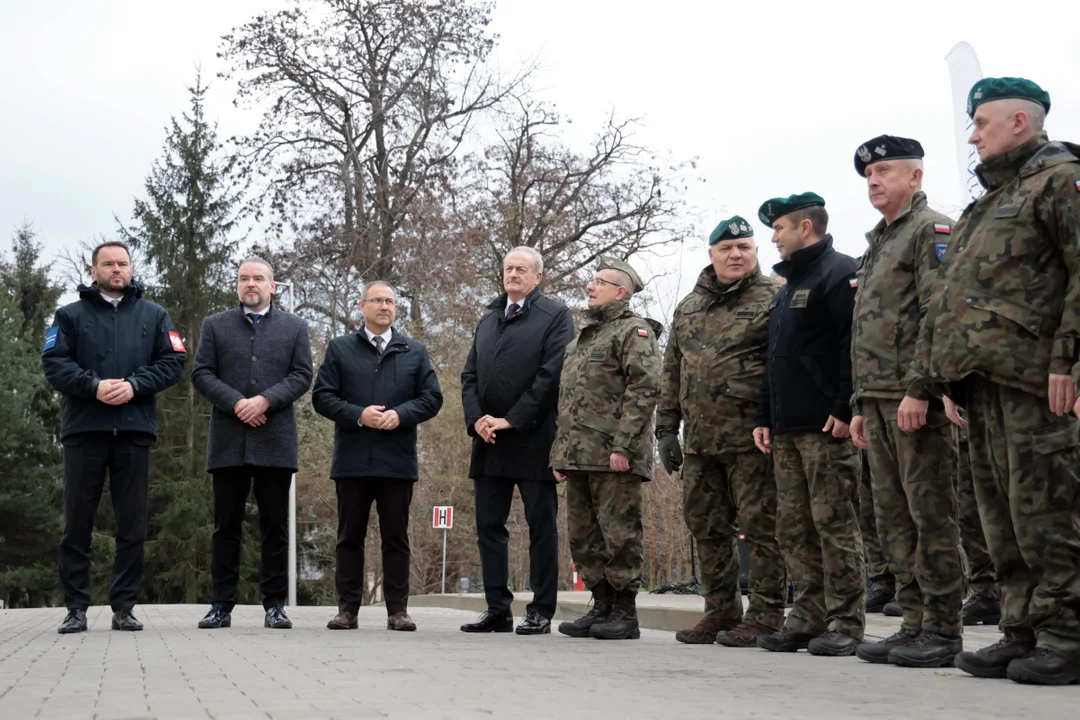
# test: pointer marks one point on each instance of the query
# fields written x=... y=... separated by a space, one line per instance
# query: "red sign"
x=442 y=517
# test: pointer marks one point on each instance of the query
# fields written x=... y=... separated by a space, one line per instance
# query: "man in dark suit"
x=377 y=385
x=252 y=363
x=108 y=353
x=510 y=394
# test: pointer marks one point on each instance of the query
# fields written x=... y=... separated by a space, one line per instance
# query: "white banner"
x=964 y=71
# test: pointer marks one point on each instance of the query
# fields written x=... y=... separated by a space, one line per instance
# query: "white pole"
x=964 y=71
x=444 y=561
x=292 y=492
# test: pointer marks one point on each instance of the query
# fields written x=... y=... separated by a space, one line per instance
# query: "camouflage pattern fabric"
x=898 y=278
x=877 y=567
x=817 y=527
x=1024 y=465
x=714 y=363
x=915 y=501
x=980 y=568
x=719 y=490
x=607 y=392
x=604 y=519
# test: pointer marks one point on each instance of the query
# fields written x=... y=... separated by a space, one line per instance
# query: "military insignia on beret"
x=734 y=228
x=939 y=250
x=977 y=95
x=746 y=228
x=942 y=229
x=642 y=332
x=880 y=150
x=864 y=154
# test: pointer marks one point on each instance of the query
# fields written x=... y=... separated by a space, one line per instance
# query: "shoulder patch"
x=50 y=338
x=177 y=343
x=942 y=229
x=642 y=332
x=939 y=250
x=854 y=282
x=1078 y=186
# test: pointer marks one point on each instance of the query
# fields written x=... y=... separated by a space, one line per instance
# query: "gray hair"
x=1035 y=112
x=534 y=255
x=915 y=164
x=259 y=261
x=624 y=282
x=374 y=284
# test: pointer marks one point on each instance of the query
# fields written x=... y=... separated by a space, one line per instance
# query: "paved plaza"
x=173 y=670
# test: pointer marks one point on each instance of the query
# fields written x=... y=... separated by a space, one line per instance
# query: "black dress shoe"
x=75 y=622
x=534 y=624
x=125 y=620
x=490 y=622
x=277 y=619
x=218 y=617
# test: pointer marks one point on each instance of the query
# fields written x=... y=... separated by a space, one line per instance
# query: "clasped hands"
x=252 y=411
x=115 y=392
x=379 y=418
x=487 y=426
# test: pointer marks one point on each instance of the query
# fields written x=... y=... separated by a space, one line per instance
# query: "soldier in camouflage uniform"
x=1007 y=336
x=803 y=419
x=713 y=365
x=897 y=420
x=882 y=585
x=603 y=448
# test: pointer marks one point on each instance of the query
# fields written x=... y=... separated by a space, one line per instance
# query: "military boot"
x=893 y=609
x=877 y=597
x=704 y=633
x=622 y=623
x=1044 y=667
x=878 y=652
x=785 y=640
x=744 y=635
x=993 y=661
x=833 y=644
x=602 y=596
x=981 y=610
x=930 y=650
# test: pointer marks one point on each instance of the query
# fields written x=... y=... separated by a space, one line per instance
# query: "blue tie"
x=254 y=317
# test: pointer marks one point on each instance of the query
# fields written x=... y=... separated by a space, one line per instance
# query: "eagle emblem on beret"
x=880 y=150
x=864 y=154
x=734 y=228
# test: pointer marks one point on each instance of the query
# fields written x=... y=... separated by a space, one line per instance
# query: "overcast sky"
x=772 y=97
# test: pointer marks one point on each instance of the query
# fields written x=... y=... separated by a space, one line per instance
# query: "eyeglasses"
x=380 y=301
x=602 y=281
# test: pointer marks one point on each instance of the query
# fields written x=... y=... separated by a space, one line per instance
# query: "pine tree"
x=183 y=230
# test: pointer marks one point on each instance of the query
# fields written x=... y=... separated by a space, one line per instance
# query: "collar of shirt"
x=262 y=312
x=386 y=336
x=115 y=302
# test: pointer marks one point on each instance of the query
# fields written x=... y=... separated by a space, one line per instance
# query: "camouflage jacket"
x=898 y=277
x=607 y=392
x=714 y=363
x=1010 y=305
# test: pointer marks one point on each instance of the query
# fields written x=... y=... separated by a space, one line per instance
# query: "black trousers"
x=231 y=487
x=493 y=498
x=392 y=499
x=87 y=459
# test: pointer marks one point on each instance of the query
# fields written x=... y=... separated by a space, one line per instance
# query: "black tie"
x=511 y=311
x=254 y=317
x=379 y=343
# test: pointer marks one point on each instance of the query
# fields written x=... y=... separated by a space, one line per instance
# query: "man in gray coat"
x=252 y=363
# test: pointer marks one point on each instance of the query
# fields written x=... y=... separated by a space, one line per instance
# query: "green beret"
x=772 y=210
x=1006 y=88
x=609 y=263
x=731 y=229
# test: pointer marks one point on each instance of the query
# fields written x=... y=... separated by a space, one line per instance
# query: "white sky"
x=772 y=97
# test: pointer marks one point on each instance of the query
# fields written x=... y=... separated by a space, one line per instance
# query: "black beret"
x=886 y=147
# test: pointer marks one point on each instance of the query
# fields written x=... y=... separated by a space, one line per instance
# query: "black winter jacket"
x=91 y=341
x=808 y=372
x=353 y=376
x=513 y=372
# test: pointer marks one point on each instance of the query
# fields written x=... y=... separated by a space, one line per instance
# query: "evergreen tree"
x=183 y=232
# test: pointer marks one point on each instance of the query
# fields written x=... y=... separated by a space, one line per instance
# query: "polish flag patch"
x=177 y=343
x=942 y=229
x=642 y=332
x=854 y=282
x=1078 y=186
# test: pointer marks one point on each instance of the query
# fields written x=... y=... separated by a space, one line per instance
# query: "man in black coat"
x=252 y=363
x=109 y=353
x=510 y=394
x=377 y=385
x=803 y=420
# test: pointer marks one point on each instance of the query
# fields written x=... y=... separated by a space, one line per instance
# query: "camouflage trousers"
x=817 y=526
x=603 y=512
x=1024 y=465
x=979 y=568
x=877 y=567
x=915 y=499
x=719 y=490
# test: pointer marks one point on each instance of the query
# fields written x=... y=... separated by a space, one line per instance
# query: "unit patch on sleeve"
x=50 y=338
x=939 y=250
x=177 y=343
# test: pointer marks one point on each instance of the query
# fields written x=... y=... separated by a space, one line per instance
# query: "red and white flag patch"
x=177 y=343
x=854 y=282
x=1078 y=186
x=942 y=229
x=642 y=332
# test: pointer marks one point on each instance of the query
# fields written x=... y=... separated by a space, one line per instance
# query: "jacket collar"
x=607 y=313
x=915 y=202
x=92 y=292
x=499 y=303
x=802 y=260
x=709 y=284
x=1034 y=155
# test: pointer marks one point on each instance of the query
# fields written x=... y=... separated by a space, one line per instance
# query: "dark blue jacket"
x=808 y=371
x=91 y=341
x=353 y=376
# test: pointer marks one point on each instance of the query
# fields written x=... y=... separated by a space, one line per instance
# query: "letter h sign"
x=442 y=517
